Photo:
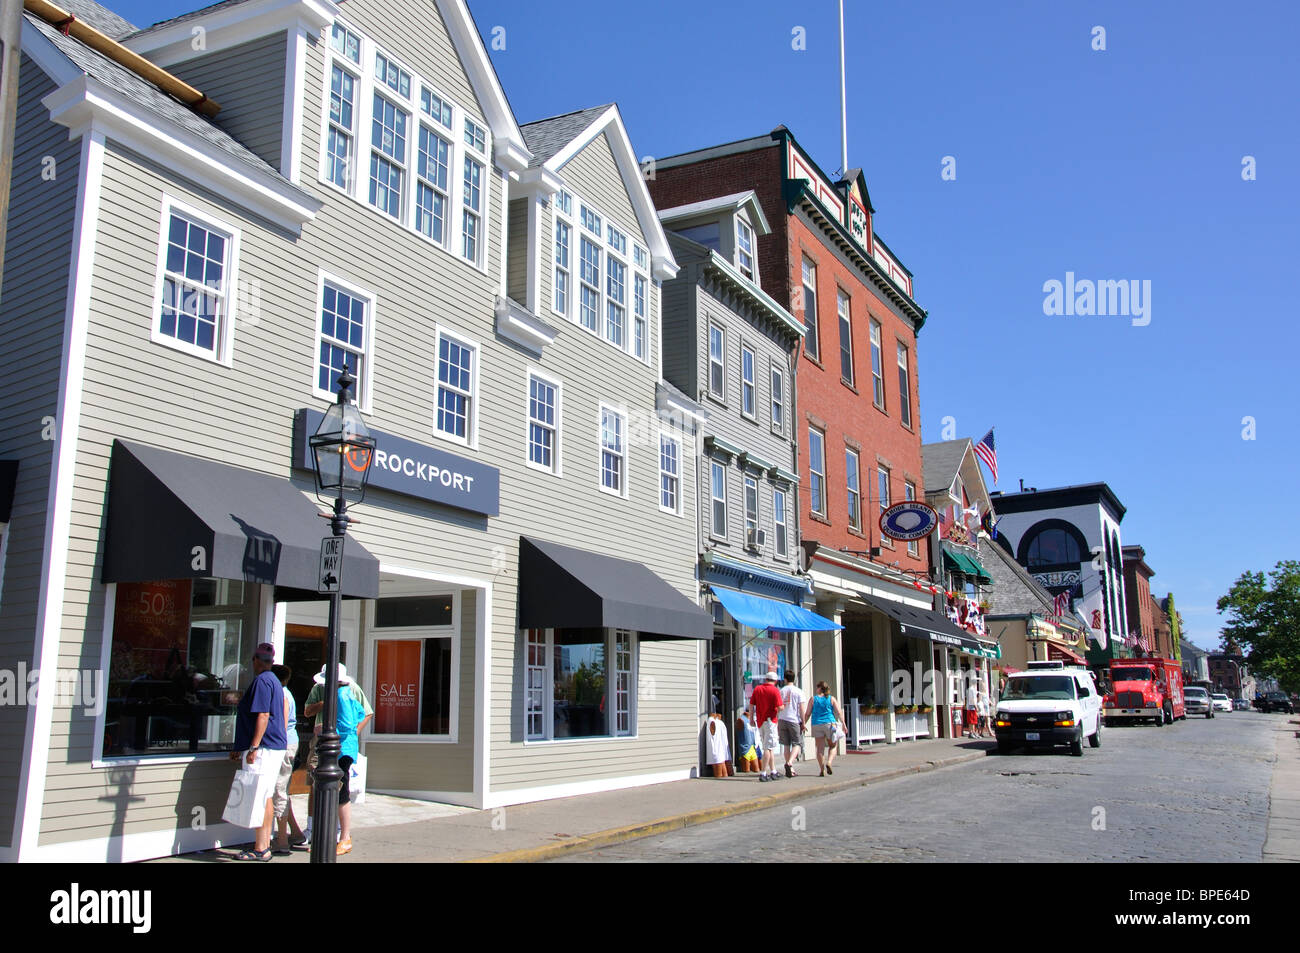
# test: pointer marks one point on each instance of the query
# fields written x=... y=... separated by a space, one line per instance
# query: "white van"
x=1051 y=704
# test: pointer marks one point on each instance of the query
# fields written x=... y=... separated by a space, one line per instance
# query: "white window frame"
x=720 y=396
x=748 y=387
x=346 y=66
x=422 y=125
x=716 y=467
x=884 y=491
x=480 y=159
x=853 y=485
x=776 y=405
x=751 y=516
x=375 y=635
x=365 y=87
x=676 y=477
x=223 y=337
x=812 y=328
x=909 y=493
x=817 y=477
x=905 y=386
x=781 y=526
x=878 y=366
x=364 y=391
x=640 y=310
x=545 y=638
x=556 y=468
x=384 y=92
x=624 y=456
x=470 y=440
x=743 y=233
x=844 y=323
x=560 y=217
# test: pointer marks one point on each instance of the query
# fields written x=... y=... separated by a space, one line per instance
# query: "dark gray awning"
x=926 y=623
x=173 y=516
x=563 y=587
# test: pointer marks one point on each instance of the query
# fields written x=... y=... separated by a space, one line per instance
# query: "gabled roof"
x=940 y=463
x=734 y=202
x=101 y=18
x=192 y=15
x=562 y=137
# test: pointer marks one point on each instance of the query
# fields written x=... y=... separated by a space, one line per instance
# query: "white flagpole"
x=844 y=105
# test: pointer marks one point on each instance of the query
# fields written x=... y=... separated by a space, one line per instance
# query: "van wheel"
x=1095 y=739
x=1076 y=747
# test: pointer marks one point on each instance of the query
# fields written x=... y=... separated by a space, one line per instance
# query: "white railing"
x=914 y=724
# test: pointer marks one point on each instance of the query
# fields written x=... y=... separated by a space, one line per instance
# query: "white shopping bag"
x=357 y=780
x=252 y=785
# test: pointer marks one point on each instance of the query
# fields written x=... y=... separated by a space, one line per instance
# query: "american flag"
x=986 y=452
x=1060 y=606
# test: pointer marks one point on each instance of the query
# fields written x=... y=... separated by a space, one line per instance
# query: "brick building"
x=1137 y=599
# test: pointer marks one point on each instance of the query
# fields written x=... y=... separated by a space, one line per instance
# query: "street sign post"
x=331 y=564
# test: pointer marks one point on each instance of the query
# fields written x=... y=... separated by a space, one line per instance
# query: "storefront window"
x=759 y=655
x=181 y=656
x=578 y=671
x=413 y=665
x=579 y=683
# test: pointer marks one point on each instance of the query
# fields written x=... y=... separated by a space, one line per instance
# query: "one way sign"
x=331 y=564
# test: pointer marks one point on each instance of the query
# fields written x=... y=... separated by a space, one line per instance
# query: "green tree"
x=1264 y=620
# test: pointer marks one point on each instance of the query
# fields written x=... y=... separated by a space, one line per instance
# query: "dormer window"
x=745 y=248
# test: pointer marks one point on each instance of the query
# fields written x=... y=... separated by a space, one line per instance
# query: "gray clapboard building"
x=181 y=292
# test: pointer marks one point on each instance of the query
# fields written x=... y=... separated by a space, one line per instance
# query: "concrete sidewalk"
x=1282 y=844
x=547 y=829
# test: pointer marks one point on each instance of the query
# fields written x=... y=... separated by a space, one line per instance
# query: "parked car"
x=1197 y=701
x=1221 y=702
x=1240 y=704
x=1275 y=701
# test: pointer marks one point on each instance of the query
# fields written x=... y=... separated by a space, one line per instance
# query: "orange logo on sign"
x=358 y=458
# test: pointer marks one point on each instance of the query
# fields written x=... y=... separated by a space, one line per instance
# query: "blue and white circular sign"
x=908 y=521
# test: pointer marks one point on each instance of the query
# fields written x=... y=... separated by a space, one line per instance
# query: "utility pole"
x=11 y=33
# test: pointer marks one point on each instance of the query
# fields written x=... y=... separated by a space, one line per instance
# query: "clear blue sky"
x=1117 y=164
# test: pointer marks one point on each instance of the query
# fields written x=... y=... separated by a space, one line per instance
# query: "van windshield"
x=1045 y=687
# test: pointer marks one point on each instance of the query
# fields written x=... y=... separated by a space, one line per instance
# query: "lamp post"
x=342 y=450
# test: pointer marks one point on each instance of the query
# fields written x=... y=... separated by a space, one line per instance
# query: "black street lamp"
x=342 y=450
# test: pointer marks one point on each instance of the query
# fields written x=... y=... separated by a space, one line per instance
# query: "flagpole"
x=844 y=103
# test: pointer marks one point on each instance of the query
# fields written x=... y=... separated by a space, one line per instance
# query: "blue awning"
x=758 y=612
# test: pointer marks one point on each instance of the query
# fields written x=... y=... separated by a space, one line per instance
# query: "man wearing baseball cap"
x=766 y=699
x=260 y=740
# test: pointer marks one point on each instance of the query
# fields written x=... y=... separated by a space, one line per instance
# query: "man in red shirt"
x=766 y=699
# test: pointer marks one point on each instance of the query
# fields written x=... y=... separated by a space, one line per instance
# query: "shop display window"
x=415 y=656
x=581 y=683
x=181 y=656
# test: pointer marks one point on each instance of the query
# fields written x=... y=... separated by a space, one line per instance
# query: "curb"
x=664 y=825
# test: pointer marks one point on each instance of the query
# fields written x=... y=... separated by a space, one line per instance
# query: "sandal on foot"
x=259 y=855
x=344 y=846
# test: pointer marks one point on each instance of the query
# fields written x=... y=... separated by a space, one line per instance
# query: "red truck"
x=1144 y=689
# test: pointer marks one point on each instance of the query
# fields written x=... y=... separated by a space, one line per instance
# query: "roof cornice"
x=719 y=267
x=226 y=27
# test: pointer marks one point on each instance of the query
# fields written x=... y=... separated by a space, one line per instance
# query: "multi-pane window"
x=343 y=335
x=590 y=221
x=387 y=156
x=456 y=381
x=342 y=127
x=563 y=244
x=670 y=453
x=909 y=493
x=345 y=42
x=778 y=518
x=748 y=400
x=811 y=345
x=854 y=487
x=613 y=451
x=882 y=488
x=566 y=691
x=536 y=689
x=640 y=315
x=543 y=425
x=718 y=498
x=778 y=399
x=475 y=136
x=589 y=280
x=877 y=369
x=817 y=471
x=392 y=76
x=616 y=302
x=846 y=337
x=745 y=248
x=472 y=225
x=194 y=309
x=751 y=511
x=436 y=108
x=717 y=362
x=904 y=389
x=431 y=189
x=623 y=682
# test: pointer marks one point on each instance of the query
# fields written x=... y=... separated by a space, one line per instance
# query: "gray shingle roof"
x=121 y=79
x=941 y=461
x=102 y=19
x=546 y=137
x=193 y=14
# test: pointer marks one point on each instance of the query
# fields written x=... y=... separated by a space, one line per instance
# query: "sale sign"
x=397 y=681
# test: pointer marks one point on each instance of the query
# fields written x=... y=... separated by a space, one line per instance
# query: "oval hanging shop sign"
x=909 y=521
x=413 y=469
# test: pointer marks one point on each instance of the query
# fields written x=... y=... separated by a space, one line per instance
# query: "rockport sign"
x=413 y=469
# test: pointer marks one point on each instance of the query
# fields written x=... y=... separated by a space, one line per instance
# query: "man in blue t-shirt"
x=260 y=737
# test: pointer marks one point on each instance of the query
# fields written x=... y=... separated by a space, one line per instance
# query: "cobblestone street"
x=1195 y=791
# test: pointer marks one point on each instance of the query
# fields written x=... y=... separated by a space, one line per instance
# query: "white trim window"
x=882 y=488
x=853 y=479
x=751 y=512
x=340 y=144
x=473 y=193
x=613 y=451
x=717 y=362
x=388 y=140
x=670 y=474
x=194 y=308
x=457 y=389
x=748 y=389
x=778 y=400
x=718 y=498
x=616 y=291
x=563 y=268
x=745 y=249
x=846 y=337
x=566 y=693
x=344 y=334
x=427 y=677
x=433 y=181
x=811 y=345
x=817 y=471
x=779 y=523
x=877 y=367
x=909 y=494
x=640 y=303
x=543 y=423
x=904 y=387
x=589 y=284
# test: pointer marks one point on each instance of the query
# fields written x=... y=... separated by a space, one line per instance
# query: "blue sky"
x=1117 y=164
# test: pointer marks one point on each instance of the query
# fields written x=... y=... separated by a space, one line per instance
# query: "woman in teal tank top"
x=824 y=712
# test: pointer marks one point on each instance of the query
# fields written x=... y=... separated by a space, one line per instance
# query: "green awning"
x=966 y=565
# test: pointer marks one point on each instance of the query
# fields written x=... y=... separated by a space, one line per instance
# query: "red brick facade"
x=844 y=411
x=1137 y=595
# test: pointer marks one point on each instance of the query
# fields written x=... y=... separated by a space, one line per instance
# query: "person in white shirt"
x=789 y=722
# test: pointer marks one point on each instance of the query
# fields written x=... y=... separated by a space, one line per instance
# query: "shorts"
x=767 y=736
x=282 y=781
x=790 y=732
x=267 y=765
x=312 y=759
x=826 y=730
x=345 y=765
x=972 y=717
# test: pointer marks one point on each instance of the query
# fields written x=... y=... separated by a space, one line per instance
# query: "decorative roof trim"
x=756 y=296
